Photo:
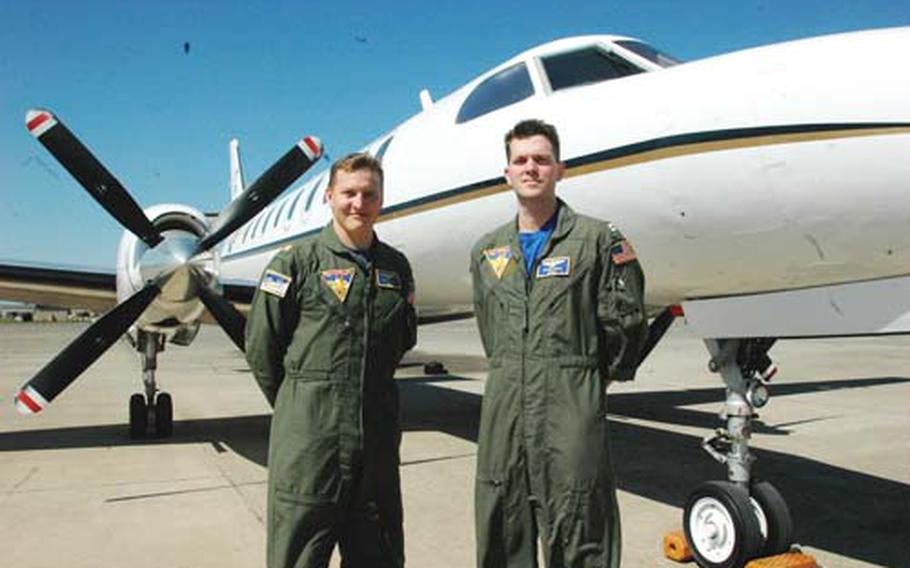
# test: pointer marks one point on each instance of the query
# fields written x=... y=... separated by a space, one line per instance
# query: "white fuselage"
x=775 y=168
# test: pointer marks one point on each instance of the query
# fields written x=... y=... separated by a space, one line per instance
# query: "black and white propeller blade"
x=91 y=174
x=78 y=355
x=262 y=191
x=224 y=312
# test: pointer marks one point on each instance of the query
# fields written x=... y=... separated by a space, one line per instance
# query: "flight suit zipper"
x=367 y=309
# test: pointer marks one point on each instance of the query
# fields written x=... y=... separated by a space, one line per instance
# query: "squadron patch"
x=554 y=266
x=388 y=279
x=338 y=280
x=275 y=283
x=622 y=252
x=499 y=259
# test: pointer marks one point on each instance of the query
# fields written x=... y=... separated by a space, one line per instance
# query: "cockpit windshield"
x=584 y=67
x=648 y=52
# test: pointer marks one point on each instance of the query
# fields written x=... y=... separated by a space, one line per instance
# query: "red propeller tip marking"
x=26 y=401
x=38 y=122
x=312 y=147
x=676 y=310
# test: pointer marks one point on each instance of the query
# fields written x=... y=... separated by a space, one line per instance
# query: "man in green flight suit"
x=559 y=302
x=329 y=323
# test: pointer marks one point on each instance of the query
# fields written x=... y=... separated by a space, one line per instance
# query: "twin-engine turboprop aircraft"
x=765 y=191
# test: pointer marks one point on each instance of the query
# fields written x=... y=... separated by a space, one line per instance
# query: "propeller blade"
x=262 y=191
x=90 y=174
x=78 y=355
x=224 y=312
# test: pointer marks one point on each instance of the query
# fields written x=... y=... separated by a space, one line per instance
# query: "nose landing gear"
x=728 y=523
x=152 y=412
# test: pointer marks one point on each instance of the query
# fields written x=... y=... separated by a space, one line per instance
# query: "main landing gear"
x=728 y=523
x=152 y=412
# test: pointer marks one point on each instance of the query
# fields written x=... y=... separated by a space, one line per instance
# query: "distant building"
x=18 y=312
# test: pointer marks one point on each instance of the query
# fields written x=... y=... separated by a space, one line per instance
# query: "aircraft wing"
x=58 y=286
x=70 y=287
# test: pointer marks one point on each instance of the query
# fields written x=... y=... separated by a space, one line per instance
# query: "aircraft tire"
x=721 y=526
x=164 y=415
x=779 y=523
x=139 y=416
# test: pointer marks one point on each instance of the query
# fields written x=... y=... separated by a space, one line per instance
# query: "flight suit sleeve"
x=410 y=331
x=479 y=297
x=272 y=320
x=621 y=309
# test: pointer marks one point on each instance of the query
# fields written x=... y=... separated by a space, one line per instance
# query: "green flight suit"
x=554 y=340
x=323 y=340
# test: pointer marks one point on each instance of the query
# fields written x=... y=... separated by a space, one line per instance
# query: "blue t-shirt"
x=532 y=244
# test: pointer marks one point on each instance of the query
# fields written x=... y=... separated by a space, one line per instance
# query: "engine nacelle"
x=177 y=309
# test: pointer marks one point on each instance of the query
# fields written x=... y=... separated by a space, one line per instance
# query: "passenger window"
x=323 y=181
x=246 y=232
x=294 y=204
x=585 y=66
x=280 y=211
x=502 y=89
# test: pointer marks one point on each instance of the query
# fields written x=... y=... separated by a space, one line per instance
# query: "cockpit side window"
x=502 y=89
x=585 y=66
x=651 y=54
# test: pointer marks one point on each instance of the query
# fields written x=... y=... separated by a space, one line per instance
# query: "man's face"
x=533 y=169
x=355 y=198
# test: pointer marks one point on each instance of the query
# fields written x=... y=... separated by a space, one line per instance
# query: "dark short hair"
x=533 y=127
x=355 y=162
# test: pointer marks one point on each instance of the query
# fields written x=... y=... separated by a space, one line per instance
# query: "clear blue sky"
x=269 y=72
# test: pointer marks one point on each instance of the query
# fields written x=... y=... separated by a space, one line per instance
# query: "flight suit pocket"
x=304 y=448
x=576 y=422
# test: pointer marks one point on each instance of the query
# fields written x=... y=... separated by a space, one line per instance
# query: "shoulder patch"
x=499 y=259
x=275 y=283
x=622 y=252
x=554 y=266
x=338 y=280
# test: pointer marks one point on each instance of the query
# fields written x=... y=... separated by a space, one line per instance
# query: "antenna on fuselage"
x=425 y=100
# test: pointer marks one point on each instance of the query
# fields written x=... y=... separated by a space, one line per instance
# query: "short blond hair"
x=355 y=162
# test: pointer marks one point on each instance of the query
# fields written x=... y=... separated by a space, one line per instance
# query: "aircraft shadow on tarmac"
x=843 y=511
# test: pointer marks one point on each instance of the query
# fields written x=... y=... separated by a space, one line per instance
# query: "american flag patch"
x=622 y=252
x=275 y=283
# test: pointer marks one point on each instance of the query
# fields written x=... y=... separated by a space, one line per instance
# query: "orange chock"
x=676 y=548
x=785 y=560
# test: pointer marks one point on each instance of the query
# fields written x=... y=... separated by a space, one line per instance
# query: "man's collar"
x=333 y=242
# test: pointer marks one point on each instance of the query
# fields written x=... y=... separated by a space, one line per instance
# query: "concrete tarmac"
x=75 y=491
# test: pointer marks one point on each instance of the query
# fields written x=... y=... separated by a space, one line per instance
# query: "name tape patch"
x=554 y=266
x=388 y=279
x=275 y=283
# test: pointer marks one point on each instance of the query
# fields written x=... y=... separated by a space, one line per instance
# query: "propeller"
x=110 y=193
x=224 y=312
x=262 y=191
x=78 y=355
x=91 y=174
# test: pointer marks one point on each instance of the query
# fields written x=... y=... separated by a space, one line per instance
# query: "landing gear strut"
x=152 y=412
x=728 y=523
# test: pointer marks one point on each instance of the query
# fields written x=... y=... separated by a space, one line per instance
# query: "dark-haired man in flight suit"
x=559 y=303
